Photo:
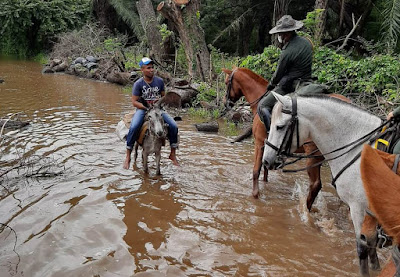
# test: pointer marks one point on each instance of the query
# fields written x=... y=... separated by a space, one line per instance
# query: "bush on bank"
x=375 y=75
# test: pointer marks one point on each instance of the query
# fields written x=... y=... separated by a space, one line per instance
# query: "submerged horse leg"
x=158 y=159
x=145 y=157
x=370 y=235
x=257 y=168
x=314 y=173
x=356 y=212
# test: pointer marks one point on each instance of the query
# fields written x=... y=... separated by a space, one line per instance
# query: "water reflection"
x=94 y=218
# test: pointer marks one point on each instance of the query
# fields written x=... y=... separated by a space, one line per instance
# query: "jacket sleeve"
x=396 y=113
x=281 y=69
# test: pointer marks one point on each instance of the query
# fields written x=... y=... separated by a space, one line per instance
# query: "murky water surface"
x=76 y=212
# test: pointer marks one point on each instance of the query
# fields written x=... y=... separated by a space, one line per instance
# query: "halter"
x=293 y=126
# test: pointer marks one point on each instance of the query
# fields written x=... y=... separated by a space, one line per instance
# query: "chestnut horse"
x=382 y=187
x=244 y=82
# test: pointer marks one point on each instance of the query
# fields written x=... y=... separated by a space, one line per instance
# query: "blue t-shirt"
x=149 y=92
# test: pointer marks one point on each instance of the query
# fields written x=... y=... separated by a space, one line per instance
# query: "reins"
x=285 y=147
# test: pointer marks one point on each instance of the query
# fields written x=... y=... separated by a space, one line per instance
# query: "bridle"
x=284 y=149
x=286 y=145
x=229 y=102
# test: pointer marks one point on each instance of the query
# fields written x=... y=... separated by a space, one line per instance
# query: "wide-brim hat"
x=145 y=61
x=286 y=24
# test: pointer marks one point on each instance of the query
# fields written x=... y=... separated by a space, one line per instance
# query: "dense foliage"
x=378 y=74
x=28 y=25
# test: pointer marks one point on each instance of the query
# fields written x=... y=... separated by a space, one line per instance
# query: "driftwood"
x=247 y=133
x=13 y=124
x=207 y=126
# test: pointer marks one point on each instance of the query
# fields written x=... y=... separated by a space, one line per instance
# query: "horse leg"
x=257 y=169
x=136 y=151
x=357 y=216
x=158 y=159
x=265 y=179
x=145 y=161
x=370 y=235
x=314 y=173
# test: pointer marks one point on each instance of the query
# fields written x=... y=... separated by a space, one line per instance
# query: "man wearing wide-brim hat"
x=294 y=65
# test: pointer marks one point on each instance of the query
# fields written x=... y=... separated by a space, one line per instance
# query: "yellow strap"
x=385 y=142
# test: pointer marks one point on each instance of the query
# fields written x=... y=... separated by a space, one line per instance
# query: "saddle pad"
x=128 y=118
x=142 y=133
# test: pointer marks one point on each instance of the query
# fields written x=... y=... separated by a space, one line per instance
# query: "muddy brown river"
x=74 y=211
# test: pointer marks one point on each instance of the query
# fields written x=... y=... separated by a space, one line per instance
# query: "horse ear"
x=285 y=100
x=227 y=71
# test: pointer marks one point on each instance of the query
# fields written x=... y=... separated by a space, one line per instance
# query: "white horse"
x=331 y=124
x=154 y=138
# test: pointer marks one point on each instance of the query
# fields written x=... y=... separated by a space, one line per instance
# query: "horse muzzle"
x=273 y=165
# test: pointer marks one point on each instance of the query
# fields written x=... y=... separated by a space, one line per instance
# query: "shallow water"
x=76 y=212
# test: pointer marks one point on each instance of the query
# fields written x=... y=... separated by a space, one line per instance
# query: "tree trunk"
x=320 y=28
x=159 y=50
x=185 y=21
x=280 y=9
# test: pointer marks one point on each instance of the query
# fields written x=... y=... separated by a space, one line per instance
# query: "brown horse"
x=382 y=187
x=244 y=82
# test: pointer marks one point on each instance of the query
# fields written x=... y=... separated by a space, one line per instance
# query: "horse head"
x=156 y=122
x=233 y=90
x=284 y=136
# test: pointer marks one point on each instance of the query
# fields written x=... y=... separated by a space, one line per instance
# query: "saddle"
x=387 y=141
x=127 y=120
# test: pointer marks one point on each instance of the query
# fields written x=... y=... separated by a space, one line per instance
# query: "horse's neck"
x=252 y=90
x=333 y=125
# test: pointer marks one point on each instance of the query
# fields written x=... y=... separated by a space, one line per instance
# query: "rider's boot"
x=265 y=114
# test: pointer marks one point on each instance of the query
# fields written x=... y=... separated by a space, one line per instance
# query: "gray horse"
x=154 y=138
x=331 y=124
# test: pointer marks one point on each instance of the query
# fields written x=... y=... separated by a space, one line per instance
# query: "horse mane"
x=382 y=187
x=253 y=75
x=333 y=99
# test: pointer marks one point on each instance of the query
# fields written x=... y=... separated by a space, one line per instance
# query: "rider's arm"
x=136 y=103
x=281 y=69
x=396 y=112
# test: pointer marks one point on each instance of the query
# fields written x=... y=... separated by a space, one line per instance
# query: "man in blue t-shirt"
x=146 y=92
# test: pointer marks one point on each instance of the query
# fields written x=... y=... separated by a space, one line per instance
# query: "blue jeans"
x=137 y=122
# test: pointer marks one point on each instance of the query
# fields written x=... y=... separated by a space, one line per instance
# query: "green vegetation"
x=27 y=26
x=204 y=113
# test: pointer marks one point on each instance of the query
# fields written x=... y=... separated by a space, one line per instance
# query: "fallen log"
x=177 y=97
x=207 y=126
x=122 y=78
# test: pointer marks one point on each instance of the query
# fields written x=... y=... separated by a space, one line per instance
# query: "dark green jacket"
x=294 y=63
x=396 y=112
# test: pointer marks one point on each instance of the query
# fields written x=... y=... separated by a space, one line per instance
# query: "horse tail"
x=382 y=187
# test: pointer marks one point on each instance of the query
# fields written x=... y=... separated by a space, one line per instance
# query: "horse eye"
x=280 y=127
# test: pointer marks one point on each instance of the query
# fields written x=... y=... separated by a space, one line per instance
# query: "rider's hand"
x=270 y=87
x=389 y=116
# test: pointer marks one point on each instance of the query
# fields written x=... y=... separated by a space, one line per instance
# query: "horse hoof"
x=255 y=194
